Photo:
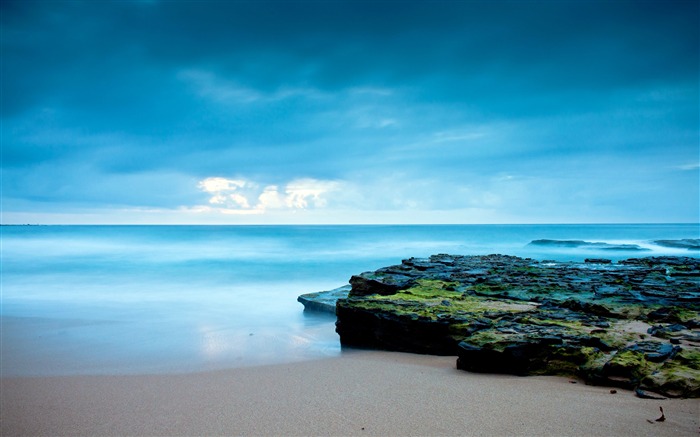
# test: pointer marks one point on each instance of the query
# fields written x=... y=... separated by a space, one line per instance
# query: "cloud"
x=689 y=167
x=208 y=85
x=271 y=198
x=302 y=193
x=477 y=51
x=233 y=196
x=360 y=106
x=217 y=185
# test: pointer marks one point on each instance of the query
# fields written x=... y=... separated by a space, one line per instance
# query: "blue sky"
x=350 y=112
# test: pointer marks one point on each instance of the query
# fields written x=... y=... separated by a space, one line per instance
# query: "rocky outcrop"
x=324 y=301
x=634 y=324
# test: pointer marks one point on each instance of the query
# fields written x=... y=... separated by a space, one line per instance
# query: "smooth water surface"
x=144 y=299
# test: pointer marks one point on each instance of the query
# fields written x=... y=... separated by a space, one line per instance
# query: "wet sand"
x=358 y=393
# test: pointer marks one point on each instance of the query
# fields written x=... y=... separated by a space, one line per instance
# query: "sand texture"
x=358 y=393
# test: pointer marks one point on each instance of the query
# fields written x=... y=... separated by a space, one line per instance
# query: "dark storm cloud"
x=518 y=48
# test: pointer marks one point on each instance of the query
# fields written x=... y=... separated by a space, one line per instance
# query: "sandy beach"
x=358 y=393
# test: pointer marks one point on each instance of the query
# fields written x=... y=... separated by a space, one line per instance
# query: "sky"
x=350 y=112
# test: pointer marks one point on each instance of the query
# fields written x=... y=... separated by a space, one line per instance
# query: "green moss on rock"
x=678 y=377
x=514 y=315
x=628 y=364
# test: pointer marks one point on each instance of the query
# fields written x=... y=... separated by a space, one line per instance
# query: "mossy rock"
x=627 y=365
x=570 y=360
x=678 y=377
x=507 y=314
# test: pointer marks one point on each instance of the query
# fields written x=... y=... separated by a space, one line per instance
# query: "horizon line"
x=357 y=224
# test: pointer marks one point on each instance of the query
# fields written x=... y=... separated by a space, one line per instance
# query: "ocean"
x=172 y=299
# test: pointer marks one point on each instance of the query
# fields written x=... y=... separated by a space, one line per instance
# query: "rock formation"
x=633 y=324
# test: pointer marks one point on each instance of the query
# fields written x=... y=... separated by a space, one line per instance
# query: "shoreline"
x=358 y=393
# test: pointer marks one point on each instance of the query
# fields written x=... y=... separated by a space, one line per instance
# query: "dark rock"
x=654 y=351
x=668 y=315
x=324 y=301
x=625 y=369
x=379 y=283
x=665 y=331
x=407 y=332
x=674 y=266
x=507 y=314
x=587 y=307
x=677 y=377
x=517 y=358
x=595 y=342
x=598 y=261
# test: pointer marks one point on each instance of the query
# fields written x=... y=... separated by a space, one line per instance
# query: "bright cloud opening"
x=304 y=192
x=215 y=185
x=240 y=196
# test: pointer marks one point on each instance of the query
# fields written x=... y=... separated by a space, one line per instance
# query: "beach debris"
x=663 y=417
x=632 y=324
x=660 y=419
x=613 y=391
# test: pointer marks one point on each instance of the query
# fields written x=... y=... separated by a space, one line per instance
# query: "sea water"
x=153 y=299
